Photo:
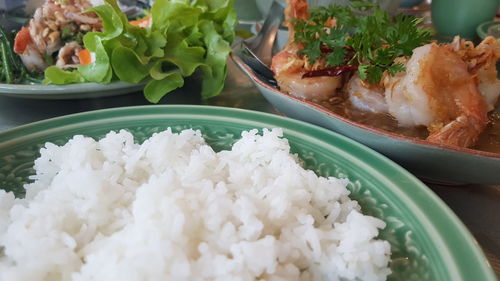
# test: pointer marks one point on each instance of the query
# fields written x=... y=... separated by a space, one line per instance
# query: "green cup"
x=461 y=17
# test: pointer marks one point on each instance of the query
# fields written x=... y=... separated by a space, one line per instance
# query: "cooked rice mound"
x=172 y=208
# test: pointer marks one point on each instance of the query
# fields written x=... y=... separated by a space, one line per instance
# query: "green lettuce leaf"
x=185 y=35
x=112 y=20
x=215 y=68
x=128 y=66
x=174 y=16
x=156 y=89
x=100 y=69
x=185 y=57
x=55 y=75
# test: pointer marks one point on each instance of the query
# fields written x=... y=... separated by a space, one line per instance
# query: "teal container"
x=461 y=17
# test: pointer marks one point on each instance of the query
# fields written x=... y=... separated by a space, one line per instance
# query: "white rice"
x=173 y=209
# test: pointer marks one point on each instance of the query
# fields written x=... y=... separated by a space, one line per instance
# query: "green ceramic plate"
x=247 y=11
x=428 y=241
x=489 y=28
x=72 y=91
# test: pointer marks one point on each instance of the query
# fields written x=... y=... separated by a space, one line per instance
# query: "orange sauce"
x=489 y=140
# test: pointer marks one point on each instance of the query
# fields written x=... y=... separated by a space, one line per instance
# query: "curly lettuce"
x=184 y=36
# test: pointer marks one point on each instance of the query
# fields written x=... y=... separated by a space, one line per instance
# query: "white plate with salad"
x=76 y=49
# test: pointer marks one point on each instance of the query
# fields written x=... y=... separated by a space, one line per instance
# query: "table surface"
x=478 y=206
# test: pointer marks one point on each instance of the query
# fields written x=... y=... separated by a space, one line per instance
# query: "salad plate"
x=130 y=48
x=70 y=91
x=428 y=241
x=17 y=16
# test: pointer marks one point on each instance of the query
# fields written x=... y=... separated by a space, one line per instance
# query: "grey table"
x=478 y=206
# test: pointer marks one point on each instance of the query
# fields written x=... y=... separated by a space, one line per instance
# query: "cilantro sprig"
x=363 y=35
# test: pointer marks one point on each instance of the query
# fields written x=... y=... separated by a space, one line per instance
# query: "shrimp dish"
x=444 y=93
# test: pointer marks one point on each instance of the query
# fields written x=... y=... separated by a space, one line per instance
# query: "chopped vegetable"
x=182 y=37
x=85 y=57
x=22 y=40
x=145 y=22
x=371 y=41
x=71 y=33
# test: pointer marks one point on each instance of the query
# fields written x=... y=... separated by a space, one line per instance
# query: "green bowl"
x=428 y=241
x=489 y=28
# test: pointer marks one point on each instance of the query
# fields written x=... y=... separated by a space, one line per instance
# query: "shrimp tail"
x=458 y=109
x=462 y=132
x=466 y=128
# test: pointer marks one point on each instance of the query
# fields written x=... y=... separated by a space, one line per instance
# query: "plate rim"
x=482 y=29
x=471 y=246
x=69 y=91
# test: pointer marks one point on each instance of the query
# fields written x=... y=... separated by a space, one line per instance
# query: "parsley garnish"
x=363 y=35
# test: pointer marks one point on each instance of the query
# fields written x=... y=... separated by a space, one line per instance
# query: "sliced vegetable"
x=145 y=22
x=85 y=57
x=22 y=40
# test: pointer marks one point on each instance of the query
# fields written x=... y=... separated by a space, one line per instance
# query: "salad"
x=78 y=41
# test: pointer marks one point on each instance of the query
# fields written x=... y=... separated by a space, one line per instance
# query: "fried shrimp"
x=481 y=62
x=438 y=91
x=292 y=68
x=365 y=96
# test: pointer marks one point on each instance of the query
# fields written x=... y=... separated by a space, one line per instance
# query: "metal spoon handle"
x=262 y=44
